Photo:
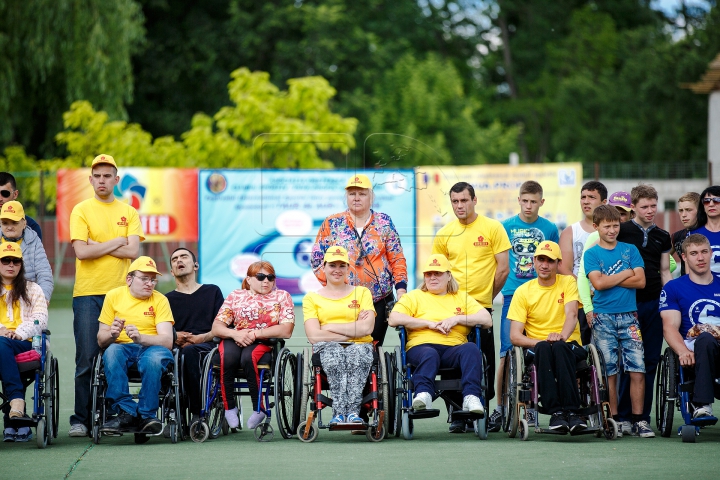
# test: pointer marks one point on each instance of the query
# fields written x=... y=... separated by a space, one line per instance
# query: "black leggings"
x=233 y=356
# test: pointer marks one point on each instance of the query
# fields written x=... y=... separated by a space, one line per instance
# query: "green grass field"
x=433 y=453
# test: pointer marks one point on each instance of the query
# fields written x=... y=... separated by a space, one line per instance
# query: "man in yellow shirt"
x=106 y=235
x=477 y=248
x=136 y=328
x=543 y=315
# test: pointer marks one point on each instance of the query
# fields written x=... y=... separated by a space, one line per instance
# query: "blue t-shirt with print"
x=696 y=303
x=609 y=262
x=524 y=238
x=714 y=238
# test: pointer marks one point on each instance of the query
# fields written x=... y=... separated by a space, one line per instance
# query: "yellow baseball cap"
x=548 y=249
x=436 y=263
x=336 y=254
x=360 y=181
x=10 y=249
x=103 y=159
x=12 y=211
x=144 y=264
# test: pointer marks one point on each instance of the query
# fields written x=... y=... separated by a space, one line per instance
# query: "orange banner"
x=165 y=198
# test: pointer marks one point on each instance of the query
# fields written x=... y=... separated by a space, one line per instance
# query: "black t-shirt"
x=677 y=241
x=651 y=249
x=195 y=312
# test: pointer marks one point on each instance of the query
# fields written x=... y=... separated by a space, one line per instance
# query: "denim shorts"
x=619 y=331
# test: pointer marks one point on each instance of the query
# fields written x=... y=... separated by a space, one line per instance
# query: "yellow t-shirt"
x=436 y=308
x=471 y=250
x=542 y=309
x=342 y=310
x=144 y=314
x=98 y=221
x=12 y=326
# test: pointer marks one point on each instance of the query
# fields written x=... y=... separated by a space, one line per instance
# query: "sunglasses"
x=707 y=200
x=5 y=193
x=9 y=260
x=261 y=277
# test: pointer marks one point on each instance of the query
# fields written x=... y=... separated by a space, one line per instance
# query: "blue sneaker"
x=23 y=434
x=340 y=418
x=9 y=434
x=354 y=418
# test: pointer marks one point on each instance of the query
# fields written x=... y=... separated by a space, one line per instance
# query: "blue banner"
x=248 y=215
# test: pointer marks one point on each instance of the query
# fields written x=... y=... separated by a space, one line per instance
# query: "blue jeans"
x=9 y=373
x=429 y=358
x=619 y=331
x=151 y=363
x=505 y=343
x=86 y=311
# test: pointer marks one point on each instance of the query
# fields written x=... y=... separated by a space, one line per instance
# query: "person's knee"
x=5 y=344
x=542 y=347
x=113 y=354
x=154 y=360
x=705 y=341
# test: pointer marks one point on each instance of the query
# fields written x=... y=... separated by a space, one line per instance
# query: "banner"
x=248 y=215
x=497 y=189
x=165 y=198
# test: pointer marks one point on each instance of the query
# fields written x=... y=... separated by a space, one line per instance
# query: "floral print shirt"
x=376 y=256
x=244 y=309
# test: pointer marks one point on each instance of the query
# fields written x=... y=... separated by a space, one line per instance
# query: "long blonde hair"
x=452 y=286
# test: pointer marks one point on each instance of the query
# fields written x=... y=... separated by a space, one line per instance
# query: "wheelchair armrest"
x=46 y=332
x=217 y=340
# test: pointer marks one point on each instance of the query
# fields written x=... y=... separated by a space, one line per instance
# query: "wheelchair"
x=44 y=374
x=402 y=389
x=673 y=389
x=169 y=407
x=520 y=393
x=277 y=371
x=375 y=402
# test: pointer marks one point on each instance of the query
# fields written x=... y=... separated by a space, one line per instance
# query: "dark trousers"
x=9 y=374
x=192 y=360
x=707 y=366
x=651 y=329
x=381 y=324
x=233 y=356
x=585 y=330
x=556 y=365
x=86 y=311
x=429 y=358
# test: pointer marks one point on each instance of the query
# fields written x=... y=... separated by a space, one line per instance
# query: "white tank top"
x=579 y=238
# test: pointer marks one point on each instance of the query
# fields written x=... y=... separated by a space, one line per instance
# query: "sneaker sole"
x=419 y=405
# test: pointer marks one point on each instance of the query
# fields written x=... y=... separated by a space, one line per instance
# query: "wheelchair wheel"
x=55 y=397
x=688 y=433
x=305 y=389
x=199 y=431
x=264 y=432
x=407 y=426
x=399 y=391
x=49 y=400
x=665 y=392
x=140 y=438
x=285 y=373
x=481 y=427
x=96 y=434
x=612 y=431
x=214 y=411
x=174 y=434
x=523 y=430
x=40 y=434
x=299 y=379
x=391 y=399
x=98 y=407
x=384 y=392
x=312 y=434
x=512 y=372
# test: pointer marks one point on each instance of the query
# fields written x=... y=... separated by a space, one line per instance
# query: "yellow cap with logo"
x=336 y=254
x=10 y=249
x=436 y=263
x=12 y=211
x=144 y=264
x=359 y=181
x=548 y=249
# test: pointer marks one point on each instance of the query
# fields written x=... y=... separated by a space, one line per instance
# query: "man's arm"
x=671 y=331
x=605 y=282
x=130 y=251
x=566 y=249
x=107 y=334
x=637 y=280
x=501 y=271
x=518 y=338
x=91 y=250
x=571 y=319
x=665 y=274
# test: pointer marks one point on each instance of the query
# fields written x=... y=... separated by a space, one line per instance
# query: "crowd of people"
x=606 y=279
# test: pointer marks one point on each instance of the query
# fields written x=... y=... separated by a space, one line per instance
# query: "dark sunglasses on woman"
x=261 y=277
x=8 y=260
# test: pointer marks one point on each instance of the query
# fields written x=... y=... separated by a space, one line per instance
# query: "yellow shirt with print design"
x=145 y=314
x=471 y=250
x=12 y=326
x=542 y=309
x=436 y=308
x=342 y=310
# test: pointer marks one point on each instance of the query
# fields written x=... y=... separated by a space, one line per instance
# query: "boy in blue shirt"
x=526 y=230
x=616 y=270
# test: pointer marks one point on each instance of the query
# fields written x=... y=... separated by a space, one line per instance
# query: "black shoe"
x=495 y=421
x=151 y=426
x=575 y=423
x=558 y=422
x=457 y=426
x=121 y=423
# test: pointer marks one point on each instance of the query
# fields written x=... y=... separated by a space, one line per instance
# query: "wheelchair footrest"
x=19 y=422
x=427 y=413
x=466 y=415
x=348 y=426
x=704 y=421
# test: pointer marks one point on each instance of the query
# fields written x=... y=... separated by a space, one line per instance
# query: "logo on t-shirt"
x=459 y=311
x=123 y=222
x=562 y=298
x=354 y=304
x=481 y=242
x=150 y=312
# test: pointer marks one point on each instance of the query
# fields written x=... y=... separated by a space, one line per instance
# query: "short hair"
x=695 y=239
x=702 y=215
x=692 y=197
x=532 y=187
x=452 y=287
x=254 y=269
x=6 y=177
x=598 y=187
x=606 y=213
x=187 y=250
x=643 y=191
x=461 y=187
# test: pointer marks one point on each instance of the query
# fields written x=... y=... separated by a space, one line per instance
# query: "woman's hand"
x=446 y=325
x=243 y=338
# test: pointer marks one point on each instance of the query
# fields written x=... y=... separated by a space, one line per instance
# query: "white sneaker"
x=78 y=430
x=625 y=428
x=704 y=411
x=232 y=418
x=421 y=401
x=473 y=404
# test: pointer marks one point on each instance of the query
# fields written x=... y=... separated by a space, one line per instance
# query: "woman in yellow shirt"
x=438 y=319
x=339 y=319
x=21 y=304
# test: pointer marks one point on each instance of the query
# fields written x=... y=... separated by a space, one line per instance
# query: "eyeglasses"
x=5 y=193
x=9 y=260
x=147 y=280
x=707 y=200
x=261 y=277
